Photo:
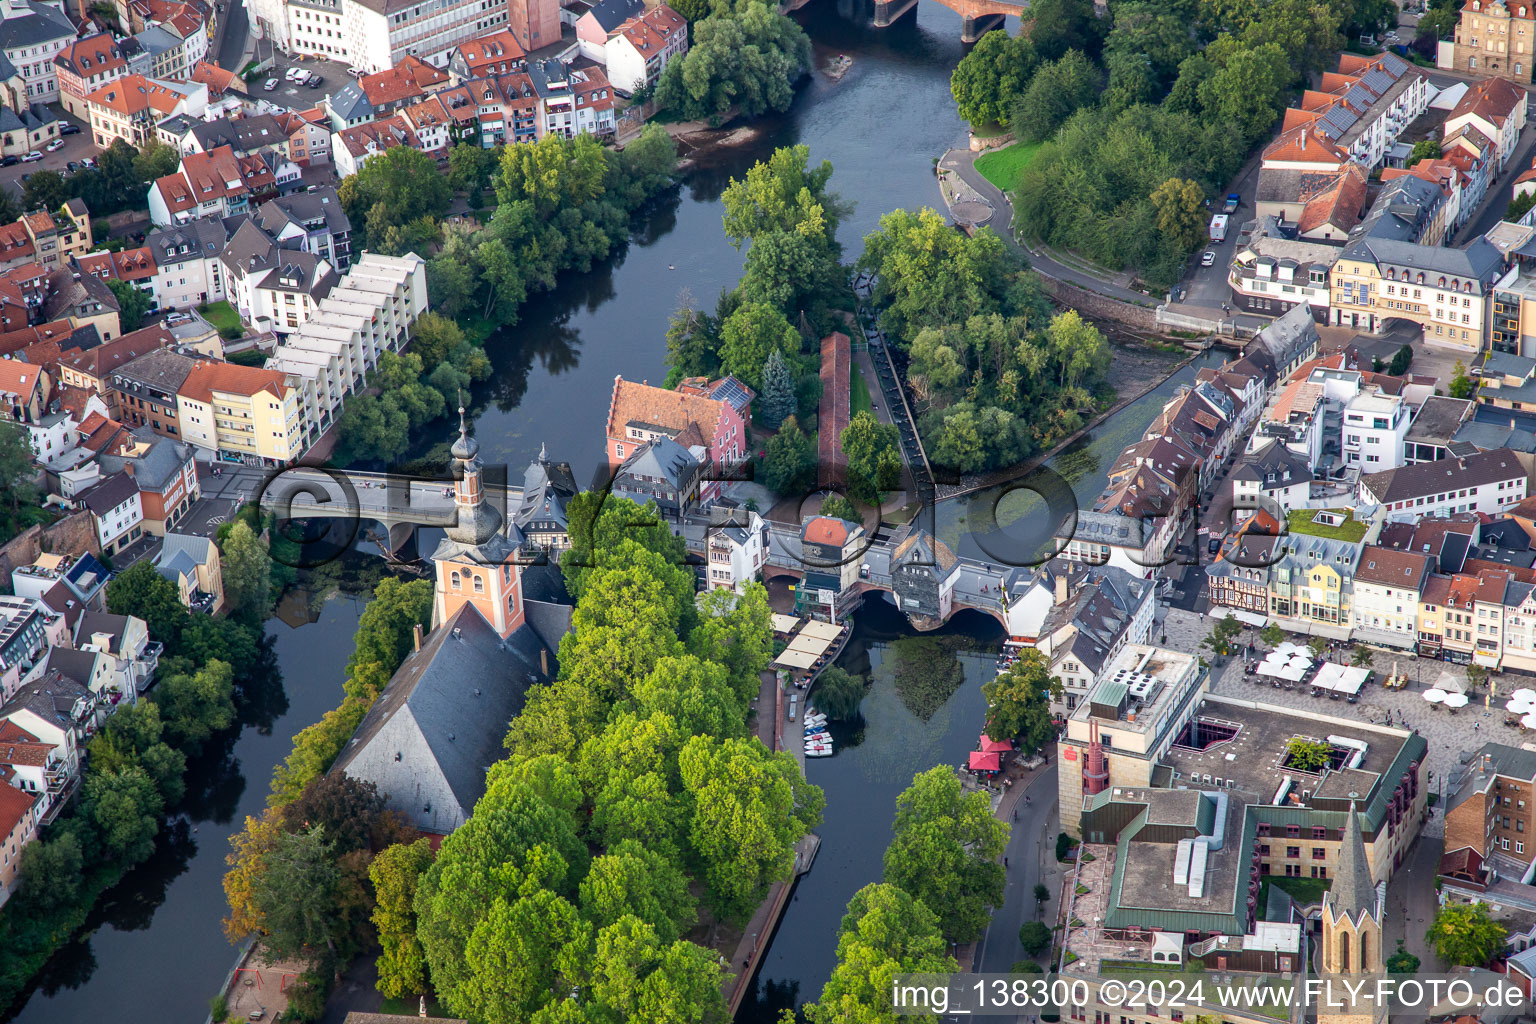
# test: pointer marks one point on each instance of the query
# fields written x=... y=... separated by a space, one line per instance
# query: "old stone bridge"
x=400 y=505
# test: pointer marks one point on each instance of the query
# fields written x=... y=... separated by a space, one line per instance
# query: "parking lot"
x=75 y=148
x=300 y=97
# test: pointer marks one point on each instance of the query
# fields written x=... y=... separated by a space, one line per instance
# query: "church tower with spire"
x=476 y=563
x=1352 y=918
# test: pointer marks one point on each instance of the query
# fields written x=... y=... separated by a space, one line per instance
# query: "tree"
x=247 y=862
x=395 y=873
x=247 y=572
x=1222 y=640
x=1058 y=26
x=1461 y=385
x=1424 y=149
x=1247 y=90
x=776 y=401
x=839 y=507
x=1042 y=893
x=1519 y=206
x=391 y=190
x=50 y=872
x=1307 y=755
x=1058 y=90
x=789 y=460
x=19 y=474
x=132 y=304
x=385 y=634
x=155 y=160
x=873 y=454
x=747 y=60
x=1034 y=937
x=749 y=809
x=314 y=748
x=987 y=80
x=638 y=977
x=783 y=194
x=125 y=807
x=1363 y=656
x=10 y=209
x=1463 y=935
x=1019 y=702
x=350 y=810
x=1477 y=675
x=1272 y=635
x=885 y=932
x=749 y=336
x=141 y=591
x=1402 y=360
x=927 y=274
x=198 y=705
x=1318 y=645
x=1180 y=206
x=839 y=693
x=298 y=895
x=945 y=852
x=1402 y=962
x=44 y=190
x=632 y=880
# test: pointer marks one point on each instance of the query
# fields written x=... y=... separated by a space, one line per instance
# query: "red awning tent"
x=985 y=761
x=990 y=746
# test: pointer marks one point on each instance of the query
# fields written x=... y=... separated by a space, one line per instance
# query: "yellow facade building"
x=240 y=411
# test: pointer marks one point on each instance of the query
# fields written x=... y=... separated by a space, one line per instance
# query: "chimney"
x=544 y=661
x=1061 y=588
x=417 y=628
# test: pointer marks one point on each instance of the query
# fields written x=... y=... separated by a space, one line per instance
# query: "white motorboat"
x=819 y=752
x=816 y=719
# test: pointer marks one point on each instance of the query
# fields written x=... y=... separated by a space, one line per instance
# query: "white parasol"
x=1434 y=696
x=1455 y=700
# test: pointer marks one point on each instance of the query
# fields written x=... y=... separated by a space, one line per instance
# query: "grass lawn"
x=223 y=316
x=1303 y=521
x=859 y=400
x=1002 y=167
x=1304 y=891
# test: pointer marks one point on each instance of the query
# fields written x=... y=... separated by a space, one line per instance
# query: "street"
x=1031 y=857
x=234 y=31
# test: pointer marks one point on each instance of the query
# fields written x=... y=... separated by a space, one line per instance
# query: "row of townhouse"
x=1405 y=567
x=216 y=183
x=1317 y=245
x=49 y=239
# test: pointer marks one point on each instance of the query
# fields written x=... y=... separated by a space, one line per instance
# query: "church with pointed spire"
x=476 y=562
x=1352 y=919
x=427 y=739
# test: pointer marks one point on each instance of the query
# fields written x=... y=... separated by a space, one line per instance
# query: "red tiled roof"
x=1492 y=99
x=231 y=378
x=499 y=51
x=93 y=55
x=214 y=77
x=411 y=77
x=14 y=805
x=825 y=530
x=1339 y=205
x=133 y=94
x=652 y=31
x=18 y=378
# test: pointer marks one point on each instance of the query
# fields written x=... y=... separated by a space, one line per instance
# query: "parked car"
x=1214 y=545
x=292 y=74
x=269 y=85
x=87 y=161
x=72 y=167
x=1208 y=258
x=356 y=72
x=10 y=161
x=315 y=81
x=55 y=146
x=69 y=129
x=27 y=158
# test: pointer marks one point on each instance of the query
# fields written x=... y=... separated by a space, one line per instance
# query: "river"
x=154 y=951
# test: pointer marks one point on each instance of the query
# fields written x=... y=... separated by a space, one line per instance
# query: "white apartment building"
x=1375 y=427
x=188 y=268
x=32 y=33
x=1489 y=482
x=370 y=311
x=1387 y=590
x=376 y=34
x=736 y=553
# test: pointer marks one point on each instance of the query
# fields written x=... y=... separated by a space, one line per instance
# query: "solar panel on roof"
x=732 y=392
x=1377 y=81
x=1338 y=120
x=1393 y=63
x=1359 y=97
